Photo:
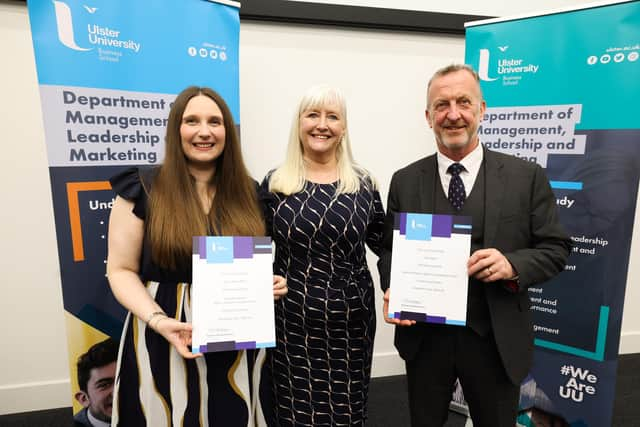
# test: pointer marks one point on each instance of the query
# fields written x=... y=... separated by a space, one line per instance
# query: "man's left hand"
x=489 y=265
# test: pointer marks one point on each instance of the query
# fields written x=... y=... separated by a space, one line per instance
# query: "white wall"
x=33 y=360
x=383 y=75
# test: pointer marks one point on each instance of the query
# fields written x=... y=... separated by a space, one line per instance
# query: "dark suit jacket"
x=81 y=419
x=520 y=221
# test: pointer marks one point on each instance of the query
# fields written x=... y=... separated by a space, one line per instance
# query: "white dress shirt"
x=471 y=163
x=96 y=422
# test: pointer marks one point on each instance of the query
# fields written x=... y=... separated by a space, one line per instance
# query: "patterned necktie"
x=457 y=195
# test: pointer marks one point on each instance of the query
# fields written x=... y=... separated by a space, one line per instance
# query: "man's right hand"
x=385 y=312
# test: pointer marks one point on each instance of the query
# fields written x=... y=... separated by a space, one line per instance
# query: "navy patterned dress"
x=326 y=324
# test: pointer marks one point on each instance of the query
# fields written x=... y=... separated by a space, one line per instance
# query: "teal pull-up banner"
x=561 y=90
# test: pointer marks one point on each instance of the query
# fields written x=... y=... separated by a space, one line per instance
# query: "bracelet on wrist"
x=154 y=315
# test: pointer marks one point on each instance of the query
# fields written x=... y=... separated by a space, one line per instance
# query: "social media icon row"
x=207 y=53
x=618 y=57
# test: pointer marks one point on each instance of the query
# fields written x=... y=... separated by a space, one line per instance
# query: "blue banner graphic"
x=559 y=94
x=108 y=72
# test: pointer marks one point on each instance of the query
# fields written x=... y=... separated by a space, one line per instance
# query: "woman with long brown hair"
x=202 y=188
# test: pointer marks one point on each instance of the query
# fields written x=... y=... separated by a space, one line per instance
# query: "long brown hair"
x=175 y=211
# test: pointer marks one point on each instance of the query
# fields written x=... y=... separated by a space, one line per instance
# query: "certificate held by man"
x=232 y=293
x=429 y=268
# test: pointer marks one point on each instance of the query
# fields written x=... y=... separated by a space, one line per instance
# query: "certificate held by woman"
x=232 y=294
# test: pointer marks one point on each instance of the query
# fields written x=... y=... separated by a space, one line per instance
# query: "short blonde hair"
x=289 y=178
x=452 y=68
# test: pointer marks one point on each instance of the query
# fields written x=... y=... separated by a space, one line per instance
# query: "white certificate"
x=429 y=268
x=232 y=293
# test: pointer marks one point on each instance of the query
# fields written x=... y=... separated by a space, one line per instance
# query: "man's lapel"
x=427 y=184
x=494 y=195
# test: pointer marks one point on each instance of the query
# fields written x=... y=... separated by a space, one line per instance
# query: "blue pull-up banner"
x=108 y=71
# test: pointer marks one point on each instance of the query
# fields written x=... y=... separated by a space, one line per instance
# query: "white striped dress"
x=157 y=387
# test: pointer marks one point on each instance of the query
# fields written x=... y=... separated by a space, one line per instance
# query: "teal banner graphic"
x=560 y=90
x=108 y=72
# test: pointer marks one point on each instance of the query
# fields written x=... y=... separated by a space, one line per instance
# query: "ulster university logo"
x=64 y=22
x=483 y=66
x=508 y=68
x=108 y=39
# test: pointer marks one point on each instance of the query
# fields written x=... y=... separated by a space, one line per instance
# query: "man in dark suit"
x=516 y=242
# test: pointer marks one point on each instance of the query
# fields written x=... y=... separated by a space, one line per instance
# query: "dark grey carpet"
x=388 y=405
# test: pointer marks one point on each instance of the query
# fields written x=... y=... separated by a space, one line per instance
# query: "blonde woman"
x=322 y=210
x=202 y=188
